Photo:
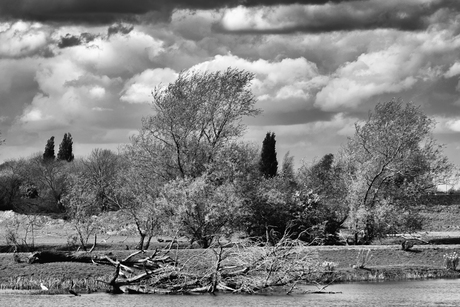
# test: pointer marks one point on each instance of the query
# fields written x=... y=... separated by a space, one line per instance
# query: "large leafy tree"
x=49 y=154
x=65 y=152
x=391 y=162
x=194 y=118
x=268 y=163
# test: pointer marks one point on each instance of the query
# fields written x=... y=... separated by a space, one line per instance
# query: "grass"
x=384 y=261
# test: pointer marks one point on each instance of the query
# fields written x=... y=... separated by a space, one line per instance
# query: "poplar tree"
x=65 y=148
x=268 y=164
x=49 y=150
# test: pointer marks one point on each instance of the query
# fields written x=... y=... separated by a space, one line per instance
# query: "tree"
x=81 y=206
x=391 y=163
x=199 y=209
x=268 y=164
x=65 y=148
x=49 y=150
x=194 y=118
x=101 y=169
x=275 y=208
x=10 y=186
x=136 y=196
x=326 y=178
x=47 y=182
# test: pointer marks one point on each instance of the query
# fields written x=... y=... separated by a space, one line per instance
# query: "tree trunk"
x=57 y=256
x=147 y=244
x=140 y=245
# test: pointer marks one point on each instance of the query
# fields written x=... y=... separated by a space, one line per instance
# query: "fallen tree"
x=240 y=268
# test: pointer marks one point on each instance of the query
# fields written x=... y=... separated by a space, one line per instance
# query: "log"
x=58 y=256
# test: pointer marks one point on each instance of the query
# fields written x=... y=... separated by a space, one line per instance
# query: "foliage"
x=390 y=163
x=268 y=164
x=49 y=150
x=101 y=169
x=194 y=118
x=81 y=207
x=328 y=266
x=451 y=261
x=65 y=152
x=287 y=169
x=10 y=186
x=326 y=178
x=44 y=180
x=20 y=230
x=236 y=163
x=275 y=207
x=136 y=196
x=200 y=209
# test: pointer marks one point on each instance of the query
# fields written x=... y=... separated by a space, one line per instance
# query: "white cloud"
x=139 y=88
x=129 y=53
x=97 y=92
x=453 y=71
x=21 y=39
x=284 y=85
x=394 y=69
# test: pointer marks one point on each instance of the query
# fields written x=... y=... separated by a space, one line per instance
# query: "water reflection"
x=442 y=292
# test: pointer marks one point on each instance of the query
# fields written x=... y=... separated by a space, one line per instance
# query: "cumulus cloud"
x=22 y=39
x=454 y=70
x=139 y=88
x=410 y=15
x=284 y=85
x=119 y=55
x=412 y=59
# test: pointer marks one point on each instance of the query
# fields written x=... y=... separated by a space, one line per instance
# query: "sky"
x=88 y=66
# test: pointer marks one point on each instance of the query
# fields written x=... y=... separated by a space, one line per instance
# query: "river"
x=440 y=292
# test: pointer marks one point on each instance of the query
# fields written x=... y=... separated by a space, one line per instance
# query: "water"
x=441 y=292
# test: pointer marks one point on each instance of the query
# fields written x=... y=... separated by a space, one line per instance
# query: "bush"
x=451 y=261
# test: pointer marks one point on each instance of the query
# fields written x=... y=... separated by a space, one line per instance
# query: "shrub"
x=328 y=266
x=451 y=261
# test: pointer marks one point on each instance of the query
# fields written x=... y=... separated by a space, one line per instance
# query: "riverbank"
x=351 y=263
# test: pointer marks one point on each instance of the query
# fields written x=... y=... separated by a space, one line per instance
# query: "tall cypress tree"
x=65 y=148
x=268 y=164
x=49 y=150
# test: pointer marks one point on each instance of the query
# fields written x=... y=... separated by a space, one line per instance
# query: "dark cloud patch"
x=109 y=11
x=119 y=28
x=356 y=15
x=73 y=40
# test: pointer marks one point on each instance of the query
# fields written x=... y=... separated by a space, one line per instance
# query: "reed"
x=56 y=285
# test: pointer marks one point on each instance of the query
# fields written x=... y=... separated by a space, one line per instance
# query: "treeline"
x=188 y=173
